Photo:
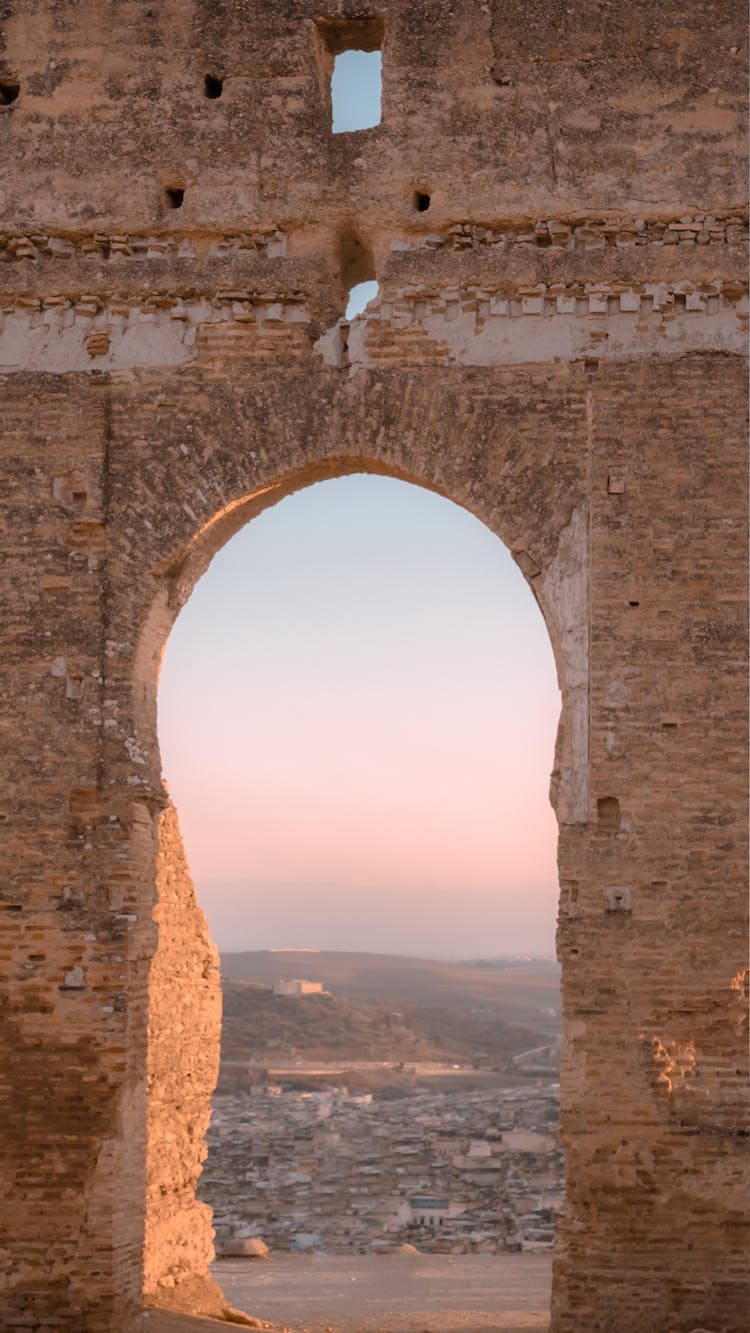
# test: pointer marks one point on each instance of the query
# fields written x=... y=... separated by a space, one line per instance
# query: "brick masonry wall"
x=558 y=346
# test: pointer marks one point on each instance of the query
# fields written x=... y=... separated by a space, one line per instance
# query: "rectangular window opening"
x=352 y=70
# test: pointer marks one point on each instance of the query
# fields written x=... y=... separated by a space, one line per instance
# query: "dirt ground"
x=382 y=1294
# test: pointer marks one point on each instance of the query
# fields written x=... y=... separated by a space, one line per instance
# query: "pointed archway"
x=184 y=975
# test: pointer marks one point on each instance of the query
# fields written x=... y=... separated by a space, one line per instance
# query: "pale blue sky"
x=355 y=90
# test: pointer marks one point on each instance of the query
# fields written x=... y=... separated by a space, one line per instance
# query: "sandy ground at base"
x=381 y=1294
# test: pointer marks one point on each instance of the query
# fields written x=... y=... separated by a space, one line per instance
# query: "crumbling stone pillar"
x=183 y=1065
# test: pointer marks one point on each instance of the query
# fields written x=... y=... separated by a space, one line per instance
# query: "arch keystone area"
x=558 y=345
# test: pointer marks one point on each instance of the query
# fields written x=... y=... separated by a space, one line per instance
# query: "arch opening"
x=360 y=296
x=183 y=574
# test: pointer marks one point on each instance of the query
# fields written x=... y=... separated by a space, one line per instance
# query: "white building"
x=425 y=1210
x=297 y=987
x=479 y=1148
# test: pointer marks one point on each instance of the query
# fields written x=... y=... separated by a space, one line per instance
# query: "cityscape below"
x=375 y=1104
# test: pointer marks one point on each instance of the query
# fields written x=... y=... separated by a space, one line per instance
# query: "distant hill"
x=521 y=992
x=261 y=1026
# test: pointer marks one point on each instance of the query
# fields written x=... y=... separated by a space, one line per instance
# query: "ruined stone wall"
x=184 y=1028
x=557 y=345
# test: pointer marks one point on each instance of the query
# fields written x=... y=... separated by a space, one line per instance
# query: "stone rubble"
x=591 y=234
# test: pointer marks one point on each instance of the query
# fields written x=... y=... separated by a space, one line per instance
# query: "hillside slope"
x=262 y=1027
x=524 y=992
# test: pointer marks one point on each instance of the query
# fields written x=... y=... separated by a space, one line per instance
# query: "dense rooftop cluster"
x=456 y=1172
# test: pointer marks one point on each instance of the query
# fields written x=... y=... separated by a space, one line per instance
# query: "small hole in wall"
x=619 y=898
x=357 y=267
x=633 y=602
x=360 y=296
x=422 y=202
x=9 y=90
x=213 y=87
x=175 y=197
x=608 y=813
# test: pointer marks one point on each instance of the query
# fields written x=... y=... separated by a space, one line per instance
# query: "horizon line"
x=522 y=956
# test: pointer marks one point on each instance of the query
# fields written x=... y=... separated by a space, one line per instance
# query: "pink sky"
x=357 y=717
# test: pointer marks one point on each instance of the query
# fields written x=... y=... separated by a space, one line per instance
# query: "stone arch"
x=560 y=585
x=184 y=968
x=560 y=589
